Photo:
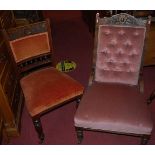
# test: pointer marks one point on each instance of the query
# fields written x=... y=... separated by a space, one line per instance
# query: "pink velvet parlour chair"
x=44 y=87
x=114 y=101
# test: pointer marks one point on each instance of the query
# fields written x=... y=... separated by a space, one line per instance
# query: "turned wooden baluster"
x=38 y=127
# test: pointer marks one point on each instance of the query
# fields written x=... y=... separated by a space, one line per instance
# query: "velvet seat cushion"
x=46 y=88
x=114 y=107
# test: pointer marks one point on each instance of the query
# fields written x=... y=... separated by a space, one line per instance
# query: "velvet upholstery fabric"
x=114 y=107
x=47 y=88
x=30 y=46
x=119 y=54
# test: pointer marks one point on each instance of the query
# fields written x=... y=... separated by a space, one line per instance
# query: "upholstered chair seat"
x=47 y=88
x=114 y=107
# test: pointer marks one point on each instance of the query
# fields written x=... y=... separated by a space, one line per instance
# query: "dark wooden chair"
x=44 y=88
x=114 y=102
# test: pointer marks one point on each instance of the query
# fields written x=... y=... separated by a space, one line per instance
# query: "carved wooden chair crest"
x=113 y=102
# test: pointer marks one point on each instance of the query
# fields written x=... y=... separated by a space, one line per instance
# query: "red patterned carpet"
x=73 y=41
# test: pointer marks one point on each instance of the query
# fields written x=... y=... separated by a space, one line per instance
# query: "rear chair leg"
x=77 y=102
x=145 y=139
x=38 y=127
x=79 y=132
x=152 y=96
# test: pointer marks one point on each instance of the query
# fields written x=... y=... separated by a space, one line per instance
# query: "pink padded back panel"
x=119 y=54
x=30 y=46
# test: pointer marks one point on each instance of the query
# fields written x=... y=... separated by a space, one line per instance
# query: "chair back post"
x=92 y=74
x=50 y=37
x=141 y=81
x=10 y=54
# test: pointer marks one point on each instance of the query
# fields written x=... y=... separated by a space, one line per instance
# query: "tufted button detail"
x=107 y=32
x=113 y=42
x=119 y=51
x=126 y=63
x=111 y=60
x=121 y=32
x=117 y=68
x=127 y=43
x=106 y=68
x=130 y=70
x=136 y=33
x=133 y=53
x=105 y=50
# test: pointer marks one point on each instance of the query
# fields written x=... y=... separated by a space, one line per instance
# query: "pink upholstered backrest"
x=30 y=46
x=119 y=53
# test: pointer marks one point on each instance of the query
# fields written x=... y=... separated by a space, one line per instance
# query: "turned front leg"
x=145 y=139
x=77 y=102
x=79 y=132
x=38 y=127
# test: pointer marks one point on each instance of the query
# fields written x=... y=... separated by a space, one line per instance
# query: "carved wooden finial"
x=97 y=17
x=149 y=20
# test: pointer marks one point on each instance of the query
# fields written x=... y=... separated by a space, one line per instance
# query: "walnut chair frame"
x=44 y=87
x=81 y=119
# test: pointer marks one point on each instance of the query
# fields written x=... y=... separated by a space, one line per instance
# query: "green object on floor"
x=66 y=66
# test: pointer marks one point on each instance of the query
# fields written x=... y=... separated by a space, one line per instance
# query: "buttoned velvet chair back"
x=30 y=45
x=119 y=52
